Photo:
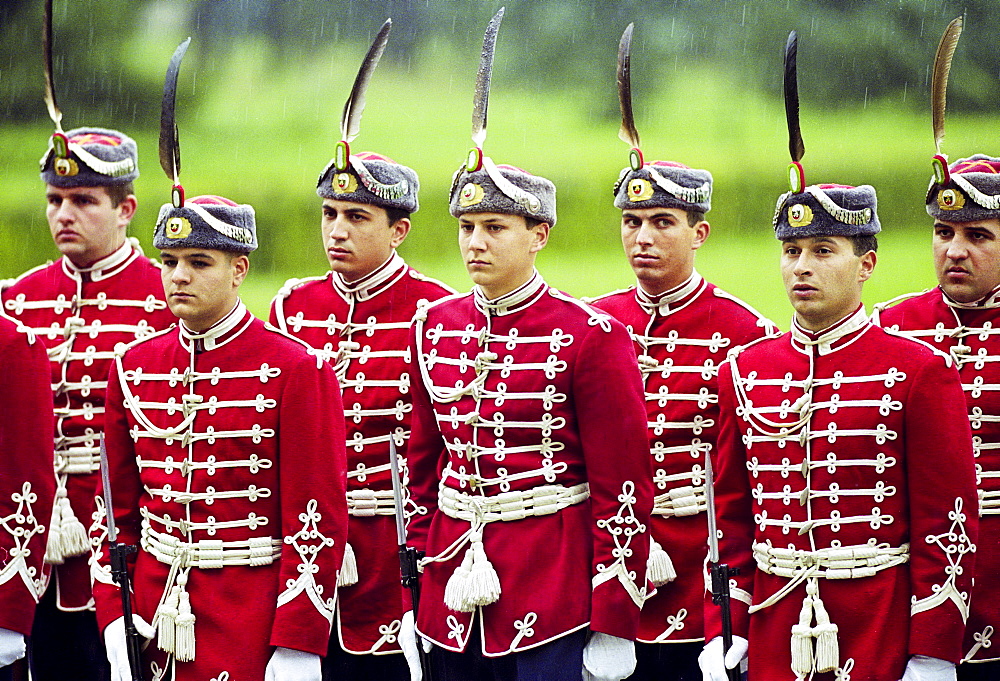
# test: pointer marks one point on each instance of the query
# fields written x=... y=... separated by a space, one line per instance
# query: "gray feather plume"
x=481 y=99
x=796 y=147
x=627 y=133
x=50 y=89
x=170 y=149
x=350 y=122
x=939 y=78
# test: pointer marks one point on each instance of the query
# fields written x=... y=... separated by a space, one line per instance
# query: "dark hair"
x=532 y=222
x=395 y=215
x=694 y=217
x=863 y=244
x=119 y=192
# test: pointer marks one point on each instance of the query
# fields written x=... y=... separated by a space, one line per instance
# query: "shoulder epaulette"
x=948 y=359
x=593 y=299
x=879 y=307
x=308 y=348
x=294 y=283
x=596 y=316
x=7 y=283
x=122 y=348
x=420 y=276
x=422 y=310
x=762 y=321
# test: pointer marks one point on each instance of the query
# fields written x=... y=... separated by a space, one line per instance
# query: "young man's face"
x=201 y=285
x=85 y=226
x=499 y=250
x=358 y=238
x=967 y=258
x=823 y=278
x=660 y=246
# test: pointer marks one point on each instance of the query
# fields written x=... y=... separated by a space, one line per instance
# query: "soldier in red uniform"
x=529 y=455
x=358 y=318
x=226 y=458
x=27 y=487
x=682 y=327
x=102 y=291
x=845 y=491
x=961 y=317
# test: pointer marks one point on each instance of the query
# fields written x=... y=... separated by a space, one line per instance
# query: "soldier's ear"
x=541 y=231
x=868 y=261
x=126 y=209
x=240 y=265
x=401 y=228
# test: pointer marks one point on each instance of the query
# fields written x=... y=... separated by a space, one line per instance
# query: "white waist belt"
x=847 y=562
x=989 y=503
x=208 y=553
x=508 y=506
x=78 y=460
x=681 y=501
x=368 y=502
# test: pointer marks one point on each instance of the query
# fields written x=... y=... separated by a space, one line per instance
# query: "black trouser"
x=340 y=665
x=981 y=671
x=667 y=661
x=559 y=660
x=66 y=645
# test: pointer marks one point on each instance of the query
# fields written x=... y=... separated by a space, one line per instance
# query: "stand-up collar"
x=988 y=302
x=373 y=283
x=220 y=333
x=106 y=267
x=669 y=301
x=833 y=337
x=515 y=301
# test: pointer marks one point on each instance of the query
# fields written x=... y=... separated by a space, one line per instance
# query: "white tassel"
x=659 y=568
x=455 y=589
x=825 y=632
x=349 y=570
x=184 y=642
x=53 y=545
x=484 y=583
x=166 y=620
x=802 y=643
x=73 y=535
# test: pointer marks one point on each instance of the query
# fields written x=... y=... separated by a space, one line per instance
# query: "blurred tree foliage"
x=263 y=85
x=863 y=48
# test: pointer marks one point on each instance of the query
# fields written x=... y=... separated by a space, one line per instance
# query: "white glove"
x=608 y=658
x=713 y=666
x=923 y=668
x=11 y=647
x=408 y=642
x=117 y=650
x=287 y=664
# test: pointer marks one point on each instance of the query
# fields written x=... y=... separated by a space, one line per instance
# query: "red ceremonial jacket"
x=971 y=335
x=681 y=338
x=846 y=497
x=27 y=487
x=529 y=457
x=227 y=468
x=362 y=329
x=80 y=316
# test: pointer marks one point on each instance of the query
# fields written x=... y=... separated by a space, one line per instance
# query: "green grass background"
x=261 y=135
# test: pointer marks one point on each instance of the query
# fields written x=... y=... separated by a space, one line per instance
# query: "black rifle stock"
x=119 y=553
x=721 y=572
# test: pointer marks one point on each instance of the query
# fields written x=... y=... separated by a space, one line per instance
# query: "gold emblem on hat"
x=177 y=228
x=65 y=167
x=639 y=190
x=950 y=199
x=472 y=194
x=800 y=215
x=344 y=183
